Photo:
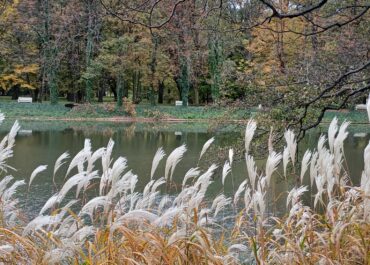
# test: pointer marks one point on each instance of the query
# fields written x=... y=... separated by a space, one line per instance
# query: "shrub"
x=84 y=109
x=109 y=107
x=129 y=107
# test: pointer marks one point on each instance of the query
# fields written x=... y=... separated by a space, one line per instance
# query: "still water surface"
x=41 y=143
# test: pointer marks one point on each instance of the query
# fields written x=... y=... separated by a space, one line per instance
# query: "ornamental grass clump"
x=100 y=216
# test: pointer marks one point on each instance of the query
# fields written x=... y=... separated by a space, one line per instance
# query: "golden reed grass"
x=116 y=224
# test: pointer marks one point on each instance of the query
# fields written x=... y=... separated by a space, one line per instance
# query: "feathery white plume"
x=192 y=173
x=79 y=159
x=8 y=193
x=69 y=184
x=237 y=248
x=13 y=132
x=219 y=203
x=368 y=107
x=4 y=183
x=332 y=131
x=252 y=170
x=231 y=156
x=225 y=171
x=271 y=140
x=5 y=249
x=247 y=199
x=172 y=160
x=138 y=215
x=206 y=146
x=164 y=201
x=117 y=169
x=320 y=182
x=272 y=163
x=2 y=117
x=167 y=217
x=249 y=132
x=84 y=183
x=320 y=144
x=104 y=181
x=239 y=191
x=49 y=204
x=342 y=135
x=106 y=157
x=60 y=161
x=157 y=184
x=93 y=204
x=259 y=205
x=83 y=233
x=295 y=194
x=305 y=163
x=291 y=144
x=178 y=235
x=313 y=168
x=38 y=223
x=157 y=158
x=367 y=160
x=38 y=170
x=94 y=157
x=285 y=159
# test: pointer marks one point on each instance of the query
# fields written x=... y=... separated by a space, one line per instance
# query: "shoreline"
x=118 y=119
x=121 y=119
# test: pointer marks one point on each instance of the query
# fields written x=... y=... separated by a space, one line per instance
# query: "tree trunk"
x=196 y=94
x=153 y=65
x=184 y=81
x=53 y=87
x=160 y=91
x=70 y=96
x=15 y=91
x=35 y=95
x=134 y=89
x=178 y=85
x=119 y=88
x=89 y=49
x=101 y=93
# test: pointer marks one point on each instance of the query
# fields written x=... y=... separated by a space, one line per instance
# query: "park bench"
x=178 y=103
x=25 y=132
x=24 y=100
x=360 y=107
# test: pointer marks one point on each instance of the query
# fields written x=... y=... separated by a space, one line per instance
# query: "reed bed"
x=117 y=224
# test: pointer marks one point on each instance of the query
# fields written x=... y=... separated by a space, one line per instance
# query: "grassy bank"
x=37 y=110
x=14 y=110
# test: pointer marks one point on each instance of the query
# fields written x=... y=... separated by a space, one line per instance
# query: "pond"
x=41 y=143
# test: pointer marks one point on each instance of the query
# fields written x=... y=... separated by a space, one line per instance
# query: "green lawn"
x=13 y=109
x=354 y=116
x=16 y=110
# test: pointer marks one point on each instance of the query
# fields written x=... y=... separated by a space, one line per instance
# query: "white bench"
x=25 y=132
x=360 y=107
x=179 y=103
x=24 y=100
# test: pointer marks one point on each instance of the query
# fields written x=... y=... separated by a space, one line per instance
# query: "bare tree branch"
x=150 y=12
x=276 y=13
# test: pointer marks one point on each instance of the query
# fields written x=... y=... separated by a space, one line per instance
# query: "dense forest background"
x=298 y=55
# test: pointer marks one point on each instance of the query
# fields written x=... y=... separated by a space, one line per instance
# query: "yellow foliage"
x=273 y=50
x=9 y=10
x=27 y=86
x=26 y=69
x=9 y=80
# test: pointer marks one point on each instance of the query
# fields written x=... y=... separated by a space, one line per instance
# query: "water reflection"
x=44 y=143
